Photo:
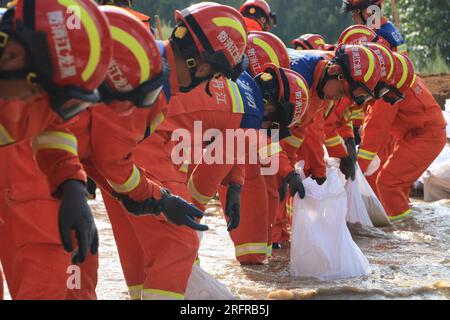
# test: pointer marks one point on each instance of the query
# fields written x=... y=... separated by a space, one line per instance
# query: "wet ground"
x=411 y=261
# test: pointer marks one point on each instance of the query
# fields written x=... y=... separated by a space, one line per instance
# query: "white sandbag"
x=442 y=159
x=202 y=286
x=373 y=205
x=437 y=183
x=322 y=246
x=373 y=166
x=356 y=209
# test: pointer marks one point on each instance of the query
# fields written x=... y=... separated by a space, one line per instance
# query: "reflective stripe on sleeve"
x=131 y=184
x=57 y=140
x=366 y=155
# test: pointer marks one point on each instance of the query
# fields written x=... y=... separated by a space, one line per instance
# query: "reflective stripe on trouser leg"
x=411 y=157
x=254 y=218
x=155 y=294
x=135 y=292
x=250 y=248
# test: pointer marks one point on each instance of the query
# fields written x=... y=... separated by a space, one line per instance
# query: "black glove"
x=357 y=135
x=319 y=181
x=149 y=206
x=180 y=212
x=75 y=214
x=348 y=165
x=91 y=189
x=233 y=206
x=348 y=168
x=295 y=184
x=350 y=144
x=282 y=191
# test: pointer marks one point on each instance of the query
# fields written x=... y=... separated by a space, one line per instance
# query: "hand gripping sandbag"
x=202 y=286
x=374 y=207
x=356 y=209
x=322 y=246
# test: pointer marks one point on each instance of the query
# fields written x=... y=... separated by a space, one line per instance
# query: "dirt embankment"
x=439 y=86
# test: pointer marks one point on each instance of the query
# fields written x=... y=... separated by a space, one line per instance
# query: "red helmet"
x=361 y=70
x=288 y=91
x=137 y=72
x=404 y=77
x=251 y=7
x=310 y=42
x=350 y=5
x=68 y=52
x=387 y=63
x=219 y=34
x=359 y=34
x=79 y=47
x=264 y=47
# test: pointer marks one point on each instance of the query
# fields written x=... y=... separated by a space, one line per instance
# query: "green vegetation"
x=424 y=23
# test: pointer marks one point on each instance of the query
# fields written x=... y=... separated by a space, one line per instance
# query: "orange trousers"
x=1 y=286
x=384 y=155
x=281 y=227
x=156 y=256
x=411 y=157
x=34 y=262
x=272 y=184
x=251 y=239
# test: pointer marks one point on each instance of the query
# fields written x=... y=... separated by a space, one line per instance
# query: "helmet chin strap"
x=195 y=81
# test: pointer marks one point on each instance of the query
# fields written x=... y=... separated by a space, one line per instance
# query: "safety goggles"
x=389 y=93
x=359 y=93
x=143 y=96
x=68 y=102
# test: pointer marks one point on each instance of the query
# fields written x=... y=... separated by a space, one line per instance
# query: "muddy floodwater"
x=411 y=261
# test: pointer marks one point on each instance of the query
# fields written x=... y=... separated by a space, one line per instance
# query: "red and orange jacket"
x=252 y=25
x=114 y=132
x=55 y=146
x=236 y=106
x=338 y=127
x=142 y=17
x=418 y=112
x=308 y=138
x=193 y=114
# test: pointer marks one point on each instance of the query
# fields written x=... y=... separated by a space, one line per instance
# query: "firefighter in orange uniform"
x=41 y=209
x=209 y=40
x=258 y=16
x=359 y=34
x=409 y=112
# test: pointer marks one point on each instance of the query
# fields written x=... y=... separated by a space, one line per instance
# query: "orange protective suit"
x=419 y=127
x=252 y=25
x=153 y=270
x=34 y=261
x=109 y=136
x=142 y=17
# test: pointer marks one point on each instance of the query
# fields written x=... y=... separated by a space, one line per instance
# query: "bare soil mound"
x=439 y=86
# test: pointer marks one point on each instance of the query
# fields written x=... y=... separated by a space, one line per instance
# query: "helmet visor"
x=70 y=102
x=144 y=96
